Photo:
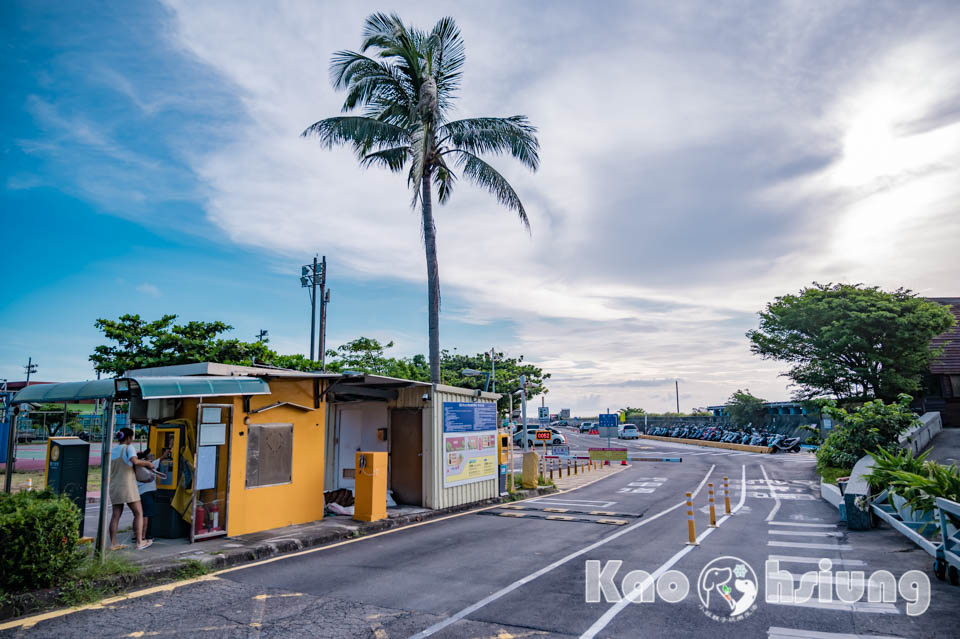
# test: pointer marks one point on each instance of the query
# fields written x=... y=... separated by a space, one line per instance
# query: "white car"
x=629 y=431
x=558 y=438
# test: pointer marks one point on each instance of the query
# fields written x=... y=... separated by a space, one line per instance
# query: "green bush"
x=886 y=465
x=870 y=427
x=920 y=489
x=38 y=539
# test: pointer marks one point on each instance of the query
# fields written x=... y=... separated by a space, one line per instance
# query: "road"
x=496 y=574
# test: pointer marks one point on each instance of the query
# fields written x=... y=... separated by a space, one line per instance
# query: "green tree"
x=144 y=344
x=631 y=412
x=508 y=372
x=405 y=91
x=872 y=426
x=745 y=408
x=850 y=341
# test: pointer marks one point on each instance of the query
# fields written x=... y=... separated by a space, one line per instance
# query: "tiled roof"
x=949 y=362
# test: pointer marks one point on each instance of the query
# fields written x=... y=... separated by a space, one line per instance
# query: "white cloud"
x=148 y=289
x=695 y=164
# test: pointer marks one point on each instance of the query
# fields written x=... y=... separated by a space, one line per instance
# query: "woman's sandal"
x=118 y=547
x=145 y=545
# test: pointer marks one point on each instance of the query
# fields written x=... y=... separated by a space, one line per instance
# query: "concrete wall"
x=920 y=436
x=300 y=501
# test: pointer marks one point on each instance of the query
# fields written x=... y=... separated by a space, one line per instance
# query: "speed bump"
x=561 y=517
x=613 y=522
x=556 y=510
x=512 y=514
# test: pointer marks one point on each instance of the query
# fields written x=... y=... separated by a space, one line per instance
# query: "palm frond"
x=368 y=81
x=445 y=179
x=363 y=133
x=485 y=176
x=447 y=53
x=514 y=135
x=393 y=159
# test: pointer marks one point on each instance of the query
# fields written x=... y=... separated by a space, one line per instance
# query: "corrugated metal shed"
x=949 y=362
x=434 y=494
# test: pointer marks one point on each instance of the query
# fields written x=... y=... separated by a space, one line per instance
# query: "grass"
x=191 y=568
x=831 y=473
x=90 y=581
x=19 y=479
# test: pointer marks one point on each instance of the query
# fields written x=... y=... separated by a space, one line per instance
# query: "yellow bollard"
x=575 y=464
x=691 y=528
x=713 y=512
x=551 y=470
x=726 y=494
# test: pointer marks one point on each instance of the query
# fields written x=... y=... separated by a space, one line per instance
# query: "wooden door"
x=406 y=456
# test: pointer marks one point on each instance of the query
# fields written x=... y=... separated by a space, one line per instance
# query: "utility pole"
x=493 y=370
x=324 y=300
x=523 y=411
x=30 y=368
x=262 y=335
x=676 y=385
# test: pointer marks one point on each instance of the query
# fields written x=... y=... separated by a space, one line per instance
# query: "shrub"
x=920 y=489
x=38 y=539
x=870 y=427
x=886 y=465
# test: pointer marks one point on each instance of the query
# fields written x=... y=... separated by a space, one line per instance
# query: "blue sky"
x=697 y=161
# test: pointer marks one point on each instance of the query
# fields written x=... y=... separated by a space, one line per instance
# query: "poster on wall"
x=469 y=442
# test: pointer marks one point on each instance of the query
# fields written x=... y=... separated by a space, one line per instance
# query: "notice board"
x=469 y=442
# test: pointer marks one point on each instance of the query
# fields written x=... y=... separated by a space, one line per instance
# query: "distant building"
x=942 y=385
x=773 y=409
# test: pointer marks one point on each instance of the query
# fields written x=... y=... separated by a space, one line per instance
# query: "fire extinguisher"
x=200 y=518
x=214 y=514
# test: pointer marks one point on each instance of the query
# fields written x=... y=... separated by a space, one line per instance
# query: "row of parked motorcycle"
x=750 y=436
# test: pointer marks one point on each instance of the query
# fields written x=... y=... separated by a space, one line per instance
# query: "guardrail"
x=937 y=532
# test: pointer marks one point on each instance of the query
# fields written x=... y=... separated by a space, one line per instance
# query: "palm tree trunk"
x=433 y=279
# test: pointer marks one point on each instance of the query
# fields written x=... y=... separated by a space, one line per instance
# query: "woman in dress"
x=123 y=487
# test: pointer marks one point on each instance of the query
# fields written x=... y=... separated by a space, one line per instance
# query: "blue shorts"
x=148 y=501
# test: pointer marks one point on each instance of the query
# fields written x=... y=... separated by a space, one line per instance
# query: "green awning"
x=66 y=392
x=150 y=388
x=199 y=386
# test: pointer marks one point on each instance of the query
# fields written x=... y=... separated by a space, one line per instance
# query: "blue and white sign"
x=469 y=417
x=561 y=451
x=608 y=419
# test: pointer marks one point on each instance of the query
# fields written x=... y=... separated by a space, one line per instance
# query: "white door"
x=349 y=432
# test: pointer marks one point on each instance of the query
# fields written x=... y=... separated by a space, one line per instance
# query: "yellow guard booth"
x=243 y=460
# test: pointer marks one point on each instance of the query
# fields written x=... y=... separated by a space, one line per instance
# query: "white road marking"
x=798 y=544
x=775 y=632
x=805 y=533
x=776 y=505
x=792 y=523
x=860 y=606
x=506 y=590
x=793 y=559
x=630 y=597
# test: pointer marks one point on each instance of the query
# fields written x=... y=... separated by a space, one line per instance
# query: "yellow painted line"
x=29 y=622
x=556 y=510
x=561 y=517
x=615 y=522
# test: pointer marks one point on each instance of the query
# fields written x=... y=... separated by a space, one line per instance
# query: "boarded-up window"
x=269 y=454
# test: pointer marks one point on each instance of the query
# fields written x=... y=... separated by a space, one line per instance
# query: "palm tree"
x=405 y=90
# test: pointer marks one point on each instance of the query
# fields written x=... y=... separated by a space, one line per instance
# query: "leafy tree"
x=745 y=408
x=366 y=355
x=143 y=344
x=850 y=341
x=405 y=91
x=632 y=412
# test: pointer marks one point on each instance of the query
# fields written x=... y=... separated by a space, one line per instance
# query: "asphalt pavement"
x=520 y=572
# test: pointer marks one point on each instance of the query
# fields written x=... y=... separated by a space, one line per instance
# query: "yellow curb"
x=699 y=442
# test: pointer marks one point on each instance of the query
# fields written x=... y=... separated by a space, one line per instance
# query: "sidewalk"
x=946 y=447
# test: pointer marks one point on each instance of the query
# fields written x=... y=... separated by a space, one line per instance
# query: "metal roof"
x=212 y=368
x=199 y=386
x=66 y=391
x=149 y=387
x=949 y=361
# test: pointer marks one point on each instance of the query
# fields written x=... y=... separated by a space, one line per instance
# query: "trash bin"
x=68 y=460
x=167 y=524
